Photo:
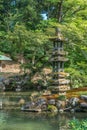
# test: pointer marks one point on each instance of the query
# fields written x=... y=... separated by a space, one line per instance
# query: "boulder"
x=61 y=110
x=51 y=102
x=52 y=108
x=83 y=105
x=2 y=86
x=34 y=95
x=40 y=102
x=72 y=110
x=83 y=97
x=74 y=101
x=44 y=107
x=21 y=101
x=6 y=81
x=58 y=104
x=28 y=105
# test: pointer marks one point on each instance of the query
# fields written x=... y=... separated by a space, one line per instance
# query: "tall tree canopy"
x=24 y=32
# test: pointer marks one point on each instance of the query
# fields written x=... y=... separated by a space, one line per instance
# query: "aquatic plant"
x=78 y=124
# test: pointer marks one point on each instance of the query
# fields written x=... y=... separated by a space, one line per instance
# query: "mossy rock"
x=52 y=108
x=62 y=97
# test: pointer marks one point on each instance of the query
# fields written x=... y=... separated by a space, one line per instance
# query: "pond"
x=12 y=120
x=18 y=120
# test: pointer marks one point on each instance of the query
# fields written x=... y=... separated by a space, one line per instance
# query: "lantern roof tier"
x=4 y=58
x=57 y=39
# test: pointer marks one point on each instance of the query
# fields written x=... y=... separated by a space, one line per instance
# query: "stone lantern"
x=59 y=83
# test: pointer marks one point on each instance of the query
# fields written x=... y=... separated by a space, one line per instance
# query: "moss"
x=52 y=108
x=62 y=98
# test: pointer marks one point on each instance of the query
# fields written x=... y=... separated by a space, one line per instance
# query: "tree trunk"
x=60 y=10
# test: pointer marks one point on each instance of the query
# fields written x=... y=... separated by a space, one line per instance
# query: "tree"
x=24 y=32
x=71 y=17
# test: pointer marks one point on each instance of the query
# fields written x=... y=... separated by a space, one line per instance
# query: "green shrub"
x=78 y=125
x=62 y=97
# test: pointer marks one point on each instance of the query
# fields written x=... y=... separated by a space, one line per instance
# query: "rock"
x=52 y=108
x=40 y=102
x=2 y=86
x=79 y=110
x=61 y=104
x=58 y=104
x=21 y=101
x=28 y=105
x=34 y=95
x=67 y=109
x=51 y=102
x=83 y=105
x=44 y=107
x=0 y=104
x=46 y=92
x=61 y=110
x=74 y=101
x=1 y=79
x=18 y=89
x=6 y=81
x=72 y=110
x=83 y=97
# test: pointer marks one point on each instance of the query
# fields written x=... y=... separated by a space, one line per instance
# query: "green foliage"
x=62 y=98
x=78 y=125
x=24 y=34
x=77 y=77
x=52 y=108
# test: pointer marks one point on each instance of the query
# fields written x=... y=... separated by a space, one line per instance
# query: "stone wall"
x=10 y=67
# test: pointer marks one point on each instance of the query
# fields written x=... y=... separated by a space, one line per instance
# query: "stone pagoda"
x=59 y=83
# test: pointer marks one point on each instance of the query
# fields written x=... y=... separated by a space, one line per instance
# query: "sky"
x=44 y=16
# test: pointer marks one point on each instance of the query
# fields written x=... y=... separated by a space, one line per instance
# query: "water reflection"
x=12 y=120
x=17 y=120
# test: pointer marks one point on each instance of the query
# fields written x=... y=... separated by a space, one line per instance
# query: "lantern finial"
x=58 y=33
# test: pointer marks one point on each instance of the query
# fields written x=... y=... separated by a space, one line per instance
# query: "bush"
x=62 y=98
x=78 y=125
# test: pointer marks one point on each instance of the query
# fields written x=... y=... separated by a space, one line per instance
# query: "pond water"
x=18 y=120
x=12 y=120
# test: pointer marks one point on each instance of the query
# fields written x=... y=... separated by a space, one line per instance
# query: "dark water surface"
x=18 y=120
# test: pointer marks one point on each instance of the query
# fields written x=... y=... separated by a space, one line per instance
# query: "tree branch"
x=78 y=9
x=74 y=12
